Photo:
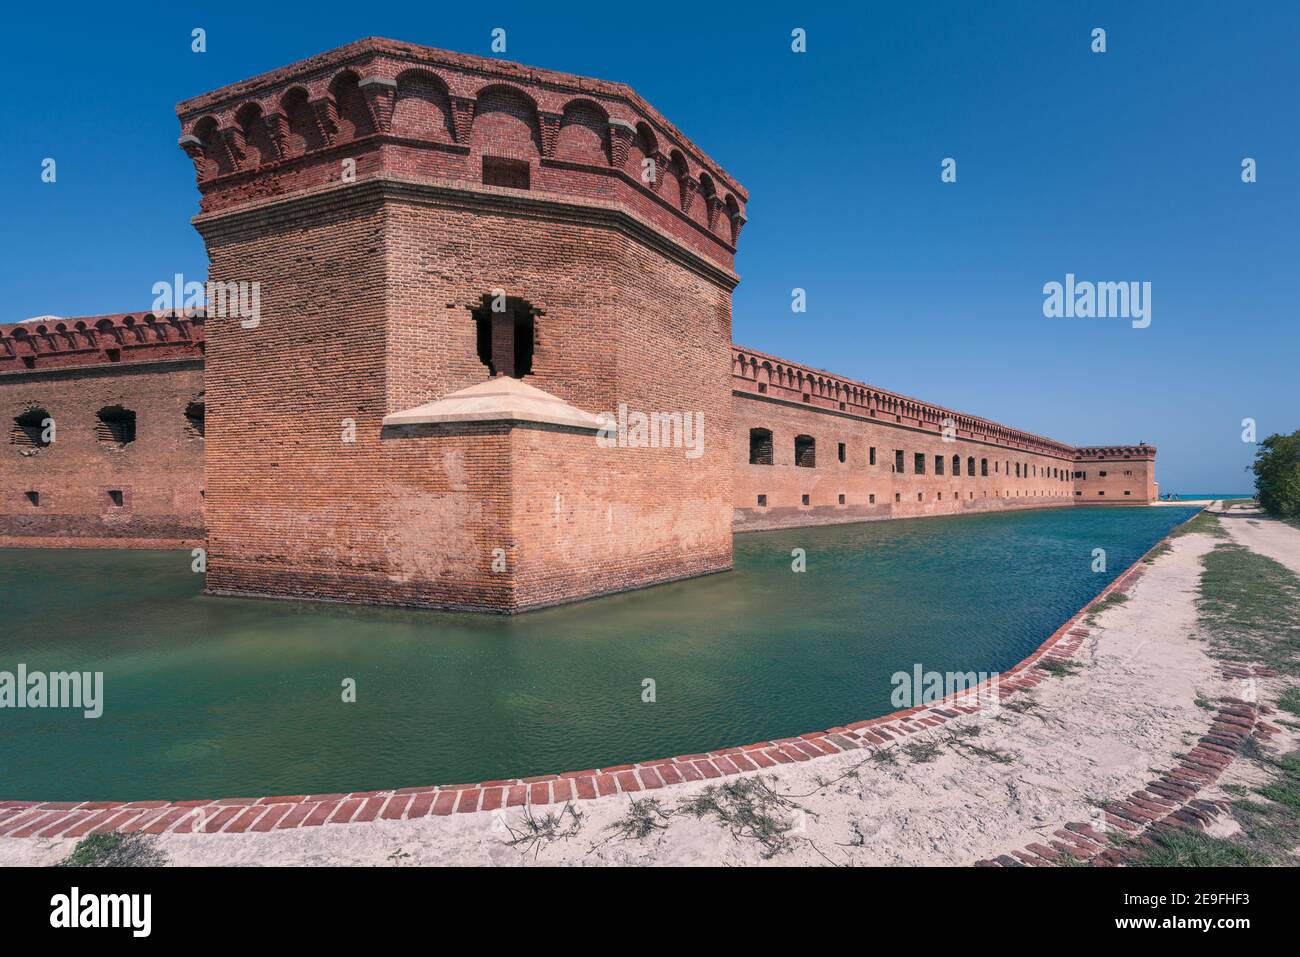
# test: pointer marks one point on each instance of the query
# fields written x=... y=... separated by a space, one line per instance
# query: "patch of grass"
x=922 y=752
x=1162 y=549
x=1110 y=601
x=884 y=755
x=1206 y=523
x=1020 y=704
x=642 y=819
x=115 y=850
x=1194 y=849
x=1205 y=703
x=1250 y=608
x=1057 y=668
x=751 y=810
x=1289 y=700
x=536 y=832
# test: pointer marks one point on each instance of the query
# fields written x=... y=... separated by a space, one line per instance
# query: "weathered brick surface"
x=368 y=297
x=68 y=370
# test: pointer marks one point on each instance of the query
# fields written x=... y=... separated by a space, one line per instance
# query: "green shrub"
x=1277 y=475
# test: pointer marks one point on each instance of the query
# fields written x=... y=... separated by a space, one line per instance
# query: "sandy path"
x=1090 y=737
x=1270 y=537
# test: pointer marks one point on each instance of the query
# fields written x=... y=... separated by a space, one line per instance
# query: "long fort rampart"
x=459 y=262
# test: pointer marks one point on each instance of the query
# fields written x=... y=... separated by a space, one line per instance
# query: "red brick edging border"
x=73 y=819
x=1167 y=804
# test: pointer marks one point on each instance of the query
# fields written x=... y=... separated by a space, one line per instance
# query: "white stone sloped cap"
x=499 y=399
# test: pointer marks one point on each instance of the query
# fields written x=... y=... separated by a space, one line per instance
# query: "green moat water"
x=207 y=697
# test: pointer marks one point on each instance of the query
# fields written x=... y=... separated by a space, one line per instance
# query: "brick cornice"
x=373 y=192
x=362 y=53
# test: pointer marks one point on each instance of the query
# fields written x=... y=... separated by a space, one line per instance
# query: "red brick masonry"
x=1168 y=802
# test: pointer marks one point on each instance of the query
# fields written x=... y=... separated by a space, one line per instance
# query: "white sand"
x=1270 y=537
x=1093 y=736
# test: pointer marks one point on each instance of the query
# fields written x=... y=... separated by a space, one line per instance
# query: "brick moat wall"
x=874 y=490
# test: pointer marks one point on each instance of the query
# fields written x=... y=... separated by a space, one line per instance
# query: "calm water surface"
x=227 y=697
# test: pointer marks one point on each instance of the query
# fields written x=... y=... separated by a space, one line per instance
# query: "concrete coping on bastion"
x=499 y=399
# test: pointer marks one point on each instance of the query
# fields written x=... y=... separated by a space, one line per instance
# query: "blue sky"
x=1122 y=166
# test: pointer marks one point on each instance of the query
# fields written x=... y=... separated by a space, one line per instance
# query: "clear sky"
x=1115 y=166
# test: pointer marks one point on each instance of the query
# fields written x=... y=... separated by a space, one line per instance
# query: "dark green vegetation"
x=1250 y=608
x=1277 y=475
x=115 y=850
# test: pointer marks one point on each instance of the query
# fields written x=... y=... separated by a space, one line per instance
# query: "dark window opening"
x=34 y=497
x=501 y=171
x=762 y=388
x=28 y=431
x=1101 y=474
x=871 y=453
x=898 y=496
x=938 y=465
x=805 y=452
x=970 y=466
x=115 y=497
x=956 y=465
x=505 y=333
x=918 y=463
x=841 y=498
x=984 y=468
x=29 y=362
x=843 y=452
x=116 y=426
x=871 y=499
x=762 y=501
x=760 y=446
x=805 y=500
x=194 y=417
x=898 y=460
x=807 y=397
x=113 y=355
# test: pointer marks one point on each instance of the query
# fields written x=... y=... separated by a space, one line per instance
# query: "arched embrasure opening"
x=194 y=413
x=115 y=426
x=506 y=334
x=28 y=432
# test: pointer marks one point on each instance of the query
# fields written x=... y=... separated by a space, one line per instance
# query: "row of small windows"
x=114 y=426
x=806 y=499
x=805 y=456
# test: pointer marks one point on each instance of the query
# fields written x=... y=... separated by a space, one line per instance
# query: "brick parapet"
x=398 y=109
x=56 y=343
x=1114 y=453
x=806 y=386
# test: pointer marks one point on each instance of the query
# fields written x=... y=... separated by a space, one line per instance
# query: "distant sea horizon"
x=1180 y=497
